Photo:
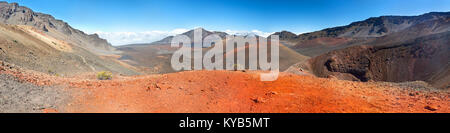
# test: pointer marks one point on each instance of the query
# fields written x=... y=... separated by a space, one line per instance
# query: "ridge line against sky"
x=144 y=21
x=123 y=38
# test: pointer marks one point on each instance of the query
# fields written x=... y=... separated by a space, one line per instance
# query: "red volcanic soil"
x=236 y=91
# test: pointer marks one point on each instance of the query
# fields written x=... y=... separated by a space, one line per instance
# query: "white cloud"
x=123 y=38
x=253 y=32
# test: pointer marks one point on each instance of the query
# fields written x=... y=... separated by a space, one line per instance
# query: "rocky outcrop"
x=286 y=35
x=12 y=13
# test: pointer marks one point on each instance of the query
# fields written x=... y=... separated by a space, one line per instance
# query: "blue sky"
x=121 y=21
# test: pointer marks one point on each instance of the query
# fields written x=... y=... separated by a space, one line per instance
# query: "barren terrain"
x=381 y=64
x=228 y=91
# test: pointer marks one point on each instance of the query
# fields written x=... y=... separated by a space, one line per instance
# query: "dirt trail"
x=85 y=62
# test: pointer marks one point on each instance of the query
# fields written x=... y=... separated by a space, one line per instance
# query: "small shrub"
x=15 y=41
x=104 y=75
x=51 y=72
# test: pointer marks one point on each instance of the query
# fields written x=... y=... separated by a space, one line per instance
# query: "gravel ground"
x=22 y=97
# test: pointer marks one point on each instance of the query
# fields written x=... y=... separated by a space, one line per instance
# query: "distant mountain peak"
x=205 y=33
x=190 y=34
x=286 y=35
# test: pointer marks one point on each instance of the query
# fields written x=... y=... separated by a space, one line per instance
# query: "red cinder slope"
x=236 y=91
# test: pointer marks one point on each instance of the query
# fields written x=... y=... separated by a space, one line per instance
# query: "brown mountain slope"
x=40 y=42
x=155 y=57
x=32 y=49
x=426 y=58
x=411 y=48
x=148 y=58
x=367 y=31
x=12 y=13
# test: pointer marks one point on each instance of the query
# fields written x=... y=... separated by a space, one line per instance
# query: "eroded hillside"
x=40 y=42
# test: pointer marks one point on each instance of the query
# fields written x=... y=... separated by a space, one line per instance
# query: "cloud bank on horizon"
x=124 y=38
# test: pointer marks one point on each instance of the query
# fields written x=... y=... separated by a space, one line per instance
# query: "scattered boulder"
x=431 y=107
x=259 y=100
